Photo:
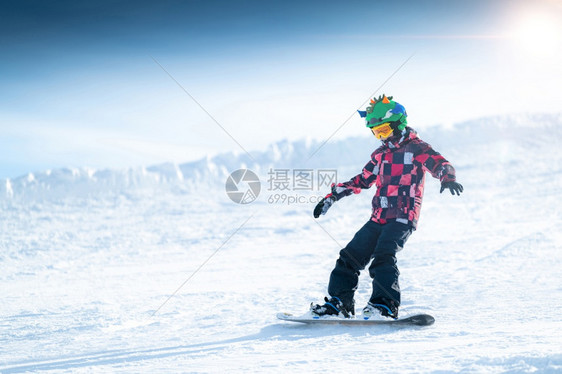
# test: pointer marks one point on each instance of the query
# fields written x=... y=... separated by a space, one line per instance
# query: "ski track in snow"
x=83 y=274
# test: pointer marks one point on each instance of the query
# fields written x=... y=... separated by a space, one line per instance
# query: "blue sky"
x=79 y=85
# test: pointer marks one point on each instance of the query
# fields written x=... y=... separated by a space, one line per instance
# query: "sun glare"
x=538 y=33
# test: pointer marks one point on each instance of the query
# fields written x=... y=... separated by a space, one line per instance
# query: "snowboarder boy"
x=397 y=168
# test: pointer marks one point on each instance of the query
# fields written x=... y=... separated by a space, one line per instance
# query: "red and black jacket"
x=398 y=170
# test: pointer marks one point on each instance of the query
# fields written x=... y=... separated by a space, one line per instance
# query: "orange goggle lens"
x=382 y=131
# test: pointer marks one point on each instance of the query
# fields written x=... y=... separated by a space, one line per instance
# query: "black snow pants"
x=372 y=241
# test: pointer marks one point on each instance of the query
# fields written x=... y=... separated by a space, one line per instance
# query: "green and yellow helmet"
x=383 y=110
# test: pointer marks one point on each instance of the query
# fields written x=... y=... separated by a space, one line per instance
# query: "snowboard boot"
x=333 y=307
x=382 y=309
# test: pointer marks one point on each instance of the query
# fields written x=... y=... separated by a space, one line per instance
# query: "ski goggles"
x=382 y=131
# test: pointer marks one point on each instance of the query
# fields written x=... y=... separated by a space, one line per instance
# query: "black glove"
x=454 y=187
x=323 y=206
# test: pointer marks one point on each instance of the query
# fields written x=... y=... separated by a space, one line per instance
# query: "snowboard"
x=415 y=320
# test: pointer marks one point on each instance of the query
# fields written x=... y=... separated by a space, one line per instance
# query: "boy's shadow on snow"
x=277 y=332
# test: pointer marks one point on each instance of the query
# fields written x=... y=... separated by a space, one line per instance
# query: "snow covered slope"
x=89 y=259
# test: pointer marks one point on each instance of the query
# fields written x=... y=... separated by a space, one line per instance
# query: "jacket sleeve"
x=365 y=179
x=435 y=164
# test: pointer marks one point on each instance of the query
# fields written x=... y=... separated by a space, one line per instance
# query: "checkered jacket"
x=398 y=170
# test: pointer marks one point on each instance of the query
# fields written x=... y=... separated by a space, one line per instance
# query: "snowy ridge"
x=476 y=136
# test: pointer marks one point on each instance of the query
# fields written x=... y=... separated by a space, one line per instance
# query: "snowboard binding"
x=333 y=307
